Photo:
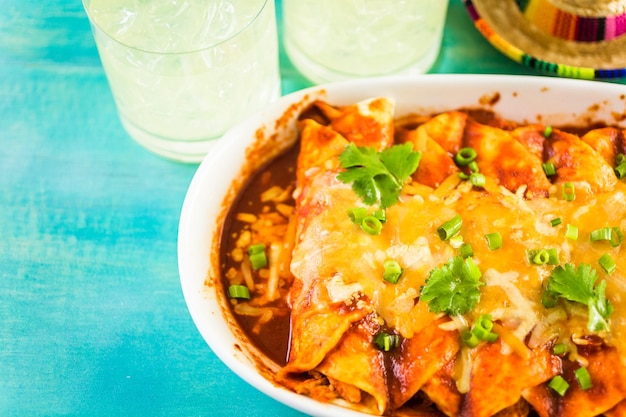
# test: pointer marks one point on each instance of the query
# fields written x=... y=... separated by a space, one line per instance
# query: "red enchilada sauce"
x=272 y=337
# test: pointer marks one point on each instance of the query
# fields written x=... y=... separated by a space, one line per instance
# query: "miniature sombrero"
x=569 y=38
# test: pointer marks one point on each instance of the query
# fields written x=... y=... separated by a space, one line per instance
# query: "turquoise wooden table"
x=92 y=317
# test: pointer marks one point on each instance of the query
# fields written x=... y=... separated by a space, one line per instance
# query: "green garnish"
x=547 y=131
x=456 y=241
x=392 y=271
x=620 y=165
x=258 y=259
x=556 y=221
x=465 y=156
x=611 y=234
x=548 y=256
x=559 y=385
x=385 y=341
x=239 y=291
x=357 y=214
x=494 y=240
x=450 y=228
x=568 y=192
x=477 y=179
x=572 y=232
x=482 y=329
x=549 y=169
x=480 y=332
x=607 y=263
x=380 y=214
x=378 y=177
x=453 y=288
x=371 y=225
x=578 y=285
x=470 y=339
x=560 y=349
x=466 y=250
x=583 y=378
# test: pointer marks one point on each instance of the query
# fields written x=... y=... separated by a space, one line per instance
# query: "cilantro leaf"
x=453 y=288
x=377 y=177
x=578 y=285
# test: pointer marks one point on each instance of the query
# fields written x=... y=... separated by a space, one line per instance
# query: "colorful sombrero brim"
x=502 y=23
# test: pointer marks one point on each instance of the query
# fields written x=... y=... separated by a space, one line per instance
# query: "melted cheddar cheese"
x=339 y=300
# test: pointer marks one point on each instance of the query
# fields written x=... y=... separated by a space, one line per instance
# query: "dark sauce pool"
x=273 y=337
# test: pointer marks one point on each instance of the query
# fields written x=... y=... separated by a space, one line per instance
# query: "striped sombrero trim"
x=533 y=62
x=560 y=23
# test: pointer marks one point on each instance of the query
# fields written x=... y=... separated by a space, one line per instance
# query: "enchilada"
x=405 y=346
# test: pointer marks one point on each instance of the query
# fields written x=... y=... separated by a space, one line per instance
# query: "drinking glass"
x=334 y=40
x=182 y=72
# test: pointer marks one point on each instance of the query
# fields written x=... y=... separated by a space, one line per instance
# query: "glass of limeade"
x=182 y=72
x=334 y=40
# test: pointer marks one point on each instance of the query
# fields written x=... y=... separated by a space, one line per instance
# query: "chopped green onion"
x=555 y=222
x=239 y=291
x=547 y=131
x=256 y=248
x=380 y=214
x=559 y=385
x=583 y=378
x=456 y=241
x=258 y=259
x=549 y=299
x=477 y=179
x=560 y=349
x=549 y=169
x=484 y=334
x=572 y=232
x=482 y=329
x=385 y=341
x=484 y=321
x=494 y=240
x=466 y=250
x=617 y=238
x=465 y=156
x=392 y=271
x=371 y=225
x=549 y=256
x=541 y=257
x=620 y=170
x=620 y=166
x=607 y=263
x=490 y=337
x=450 y=228
x=568 y=191
x=604 y=233
x=473 y=166
x=470 y=339
x=612 y=234
x=357 y=214
x=553 y=256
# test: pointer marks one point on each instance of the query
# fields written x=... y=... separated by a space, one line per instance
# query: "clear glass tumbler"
x=183 y=72
x=334 y=40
